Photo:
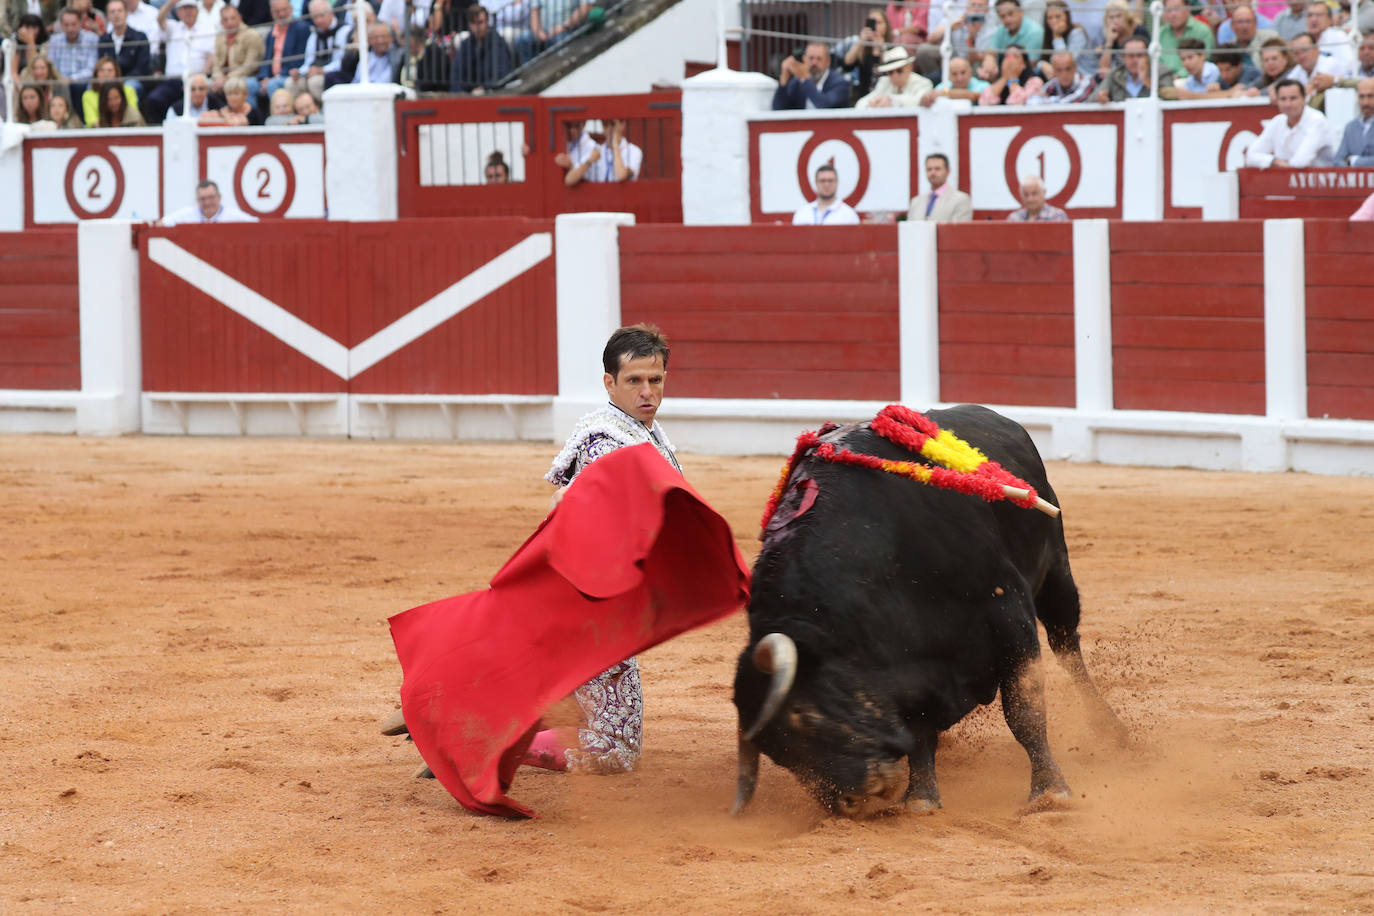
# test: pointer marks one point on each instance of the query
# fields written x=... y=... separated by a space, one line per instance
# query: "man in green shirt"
x=1016 y=29
x=1179 y=23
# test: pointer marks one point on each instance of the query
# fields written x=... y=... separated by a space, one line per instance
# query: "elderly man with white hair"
x=1034 y=207
x=899 y=86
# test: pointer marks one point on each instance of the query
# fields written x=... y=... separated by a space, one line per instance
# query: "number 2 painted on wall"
x=94 y=177
x=265 y=177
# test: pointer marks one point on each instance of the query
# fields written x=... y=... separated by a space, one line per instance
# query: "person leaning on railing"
x=1179 y=24
x=1119 y=22
x=60 y=114
x=44 y=73
x=1016 y=80
x=962 y=84
x=1297 y=138
x=1276 y=60
x=32 y=106
x=1131 y=80
x=483 y=60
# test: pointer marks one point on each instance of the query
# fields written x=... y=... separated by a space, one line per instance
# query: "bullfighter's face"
x=637 y=388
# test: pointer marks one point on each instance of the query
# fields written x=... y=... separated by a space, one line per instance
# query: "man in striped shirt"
x=1068 y=86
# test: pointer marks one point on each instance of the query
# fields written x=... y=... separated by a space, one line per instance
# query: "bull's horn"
x=776 y=654
x=748 y=774
x=395 y=724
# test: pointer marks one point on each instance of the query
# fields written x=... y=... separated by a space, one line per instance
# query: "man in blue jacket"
x=284 y=51
x=128 y=46
x=1357 y=143
x=811 y=82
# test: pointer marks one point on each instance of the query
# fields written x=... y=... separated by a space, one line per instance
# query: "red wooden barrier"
x=769 y=312
x=443 y=144
x=1332 y=193
x=1006 y=313
x=40 y=340
x=1340 y=321
x=1188 y=316
x=218 y=304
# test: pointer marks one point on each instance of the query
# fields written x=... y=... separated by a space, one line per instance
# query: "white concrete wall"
x=656 y=53
x=12 y=176
x=360 y=147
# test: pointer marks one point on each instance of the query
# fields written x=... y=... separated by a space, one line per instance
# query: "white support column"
x=918 y=313
x=1221 y=197
x=938 y=132
x=1285 y=320
x=1142 y=160
x=181 y=164
x=1092 y=315
x=360 y=151
x=12 y=176
x=715 y=144
x=111 y=346
x=587 y=266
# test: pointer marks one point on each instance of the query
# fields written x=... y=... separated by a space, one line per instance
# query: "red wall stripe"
x=40 y=317
x=1188 y=316
x=1340 y=323
x=1006 y=313
x=768 y=312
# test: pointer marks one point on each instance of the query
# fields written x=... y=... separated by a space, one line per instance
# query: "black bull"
x=883 y=613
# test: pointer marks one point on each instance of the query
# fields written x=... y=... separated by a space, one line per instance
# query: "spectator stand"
x=1332 y=193
x=445 y=144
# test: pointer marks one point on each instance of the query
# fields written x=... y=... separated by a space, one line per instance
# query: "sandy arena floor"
x=196 y=659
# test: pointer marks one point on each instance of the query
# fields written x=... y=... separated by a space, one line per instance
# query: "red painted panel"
x=1243 y=122
x=1003 y=237
x=655 y=125
x=1011 y=270
x=1191 y=395
x=350 y=281
x=40 y=319
x=769 y=312
x=1029 y=327
x=1297 y=208
x=1188 y=316
x=1340 y=323
x=1041 y=390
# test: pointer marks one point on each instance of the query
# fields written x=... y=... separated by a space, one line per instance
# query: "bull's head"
x=842 y=740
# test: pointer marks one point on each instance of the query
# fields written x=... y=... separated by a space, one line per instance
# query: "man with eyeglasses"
x=1132 y=79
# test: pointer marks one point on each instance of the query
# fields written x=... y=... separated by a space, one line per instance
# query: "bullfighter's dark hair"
x=633 y=342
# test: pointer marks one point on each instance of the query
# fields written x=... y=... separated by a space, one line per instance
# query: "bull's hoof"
x=922 y=805
x=395 y=724
x=424 y=772
x=1053 y=800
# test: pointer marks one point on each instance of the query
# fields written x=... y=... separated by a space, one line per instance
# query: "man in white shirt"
x=208 y=208
x=618 y=159
x=1313 y=71
x=827 y=209
x=581 y=153
x=1297 y=138
x=1332 y=42
x=143 y=16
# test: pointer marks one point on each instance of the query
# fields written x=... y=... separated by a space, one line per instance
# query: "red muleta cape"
x=631 y=556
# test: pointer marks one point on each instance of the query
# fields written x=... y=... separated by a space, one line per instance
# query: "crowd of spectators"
x=134 y=62
x=1034 y=52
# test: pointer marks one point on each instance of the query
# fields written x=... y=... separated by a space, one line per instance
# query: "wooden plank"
x=1043 y=391
x=758 y=268
x=1186 y=236
x=1340 y=402
x=1339 y=269
x=797 y=355
x=1000 y=237
x=877 y=295
x=1189 y=395
x=988 y=298
x=1338 y=236
x=1298 y=208
x=29 y=351
x=1020 y=269
x=1014 y=358
x=1188 y=268
x=41 y=296
x=1339 y=302
x=1325 y=336
x=876 y=385
x=766 y=327
x=1167 y=332
x=1140 y=299
x=1198 y=364
x=665 y=239
x=41 y=377
x=1348 y=370
x=40 y=243
x=58 y=270
x=38 y=322
x=1045 y=330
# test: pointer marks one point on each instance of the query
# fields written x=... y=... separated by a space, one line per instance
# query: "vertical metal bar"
x=360 y=36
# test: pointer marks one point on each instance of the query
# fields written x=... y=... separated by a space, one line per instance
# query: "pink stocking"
x=547 y=750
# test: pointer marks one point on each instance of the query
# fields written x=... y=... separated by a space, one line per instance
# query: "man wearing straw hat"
x=899 y=86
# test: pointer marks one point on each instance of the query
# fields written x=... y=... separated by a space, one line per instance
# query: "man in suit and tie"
x=1357 y=143
x=943 y=203
x=811 y=82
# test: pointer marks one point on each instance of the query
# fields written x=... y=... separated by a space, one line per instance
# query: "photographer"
x=865 y=51
x=807 y=80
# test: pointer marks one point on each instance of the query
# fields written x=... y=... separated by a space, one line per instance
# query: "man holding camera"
x=807 y=80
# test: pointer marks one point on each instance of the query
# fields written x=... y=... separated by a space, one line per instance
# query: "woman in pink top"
x=907 y=23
